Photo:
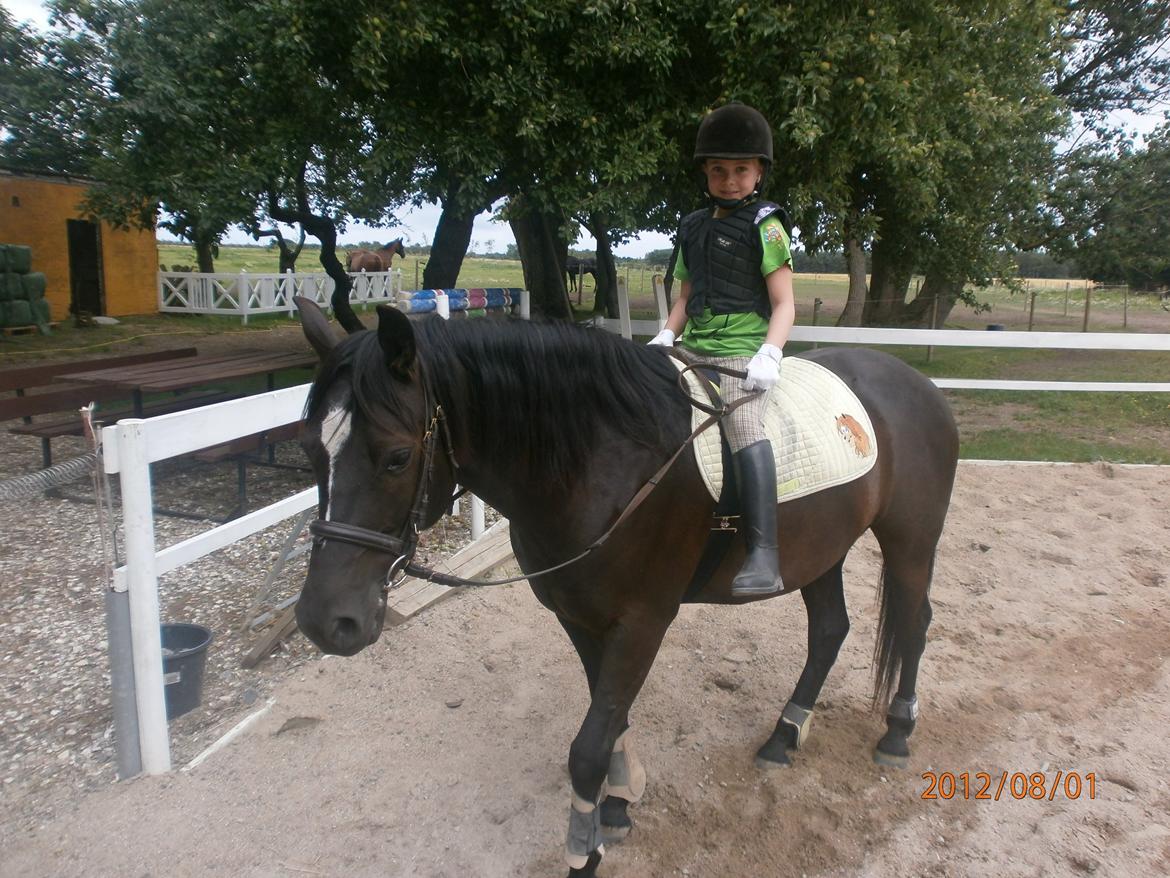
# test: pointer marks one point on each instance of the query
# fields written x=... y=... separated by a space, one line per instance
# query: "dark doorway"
x=85 y=269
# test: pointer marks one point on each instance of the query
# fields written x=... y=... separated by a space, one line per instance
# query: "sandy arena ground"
x=440 y=751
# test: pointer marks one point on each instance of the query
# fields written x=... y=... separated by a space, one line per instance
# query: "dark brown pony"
x=375 y=260
x=557 y=427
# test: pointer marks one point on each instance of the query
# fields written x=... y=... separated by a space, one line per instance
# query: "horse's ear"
x=316 y=326
x=396 y=336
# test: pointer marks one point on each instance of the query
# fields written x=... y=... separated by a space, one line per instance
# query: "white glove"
x=664 y=338
x=764 y=369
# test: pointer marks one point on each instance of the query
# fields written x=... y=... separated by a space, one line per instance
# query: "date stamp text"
x=986 y=786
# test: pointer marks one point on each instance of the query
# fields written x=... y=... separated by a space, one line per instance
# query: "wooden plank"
x=43 y=373
x=284 y=626
x=414 y=595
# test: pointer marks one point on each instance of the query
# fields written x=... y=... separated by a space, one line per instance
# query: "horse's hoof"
x=773 y=754
x=766 y=763
x=589 y=870
x=893 y=760
x=615 y=822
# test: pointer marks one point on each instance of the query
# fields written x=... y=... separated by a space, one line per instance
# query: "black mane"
x=537 y=389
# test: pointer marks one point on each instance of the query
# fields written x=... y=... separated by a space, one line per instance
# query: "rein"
x=405 y=545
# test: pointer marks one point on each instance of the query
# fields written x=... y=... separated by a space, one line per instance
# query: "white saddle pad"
x=821 y=436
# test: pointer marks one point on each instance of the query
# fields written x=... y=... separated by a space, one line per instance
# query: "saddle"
x=821 y=435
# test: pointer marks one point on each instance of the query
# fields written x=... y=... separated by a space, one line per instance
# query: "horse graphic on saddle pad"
x=820 y=433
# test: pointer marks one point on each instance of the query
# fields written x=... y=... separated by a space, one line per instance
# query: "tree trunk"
x=888 y=284
x=544 y=274
x=605 y=300
x=288 y=255
x=854 y=311
x=205 y=253
x=922 y=312
x=323 y=229
x=452 y=238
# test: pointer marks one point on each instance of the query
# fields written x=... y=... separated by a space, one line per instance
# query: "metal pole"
x=1125 y=307
x=1067 y=284
x=126 y=743
x=142 y=582
x=1088 y=300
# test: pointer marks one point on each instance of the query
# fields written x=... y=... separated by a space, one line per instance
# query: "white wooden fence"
x=244 y=294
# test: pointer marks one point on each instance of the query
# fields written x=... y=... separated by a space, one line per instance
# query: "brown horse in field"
x=375 y=260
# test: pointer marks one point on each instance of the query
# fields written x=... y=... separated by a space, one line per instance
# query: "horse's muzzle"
x=337 y=632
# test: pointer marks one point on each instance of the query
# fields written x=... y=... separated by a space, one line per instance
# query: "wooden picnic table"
x=191 y=372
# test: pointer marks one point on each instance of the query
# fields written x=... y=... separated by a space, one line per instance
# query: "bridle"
x=404 y=546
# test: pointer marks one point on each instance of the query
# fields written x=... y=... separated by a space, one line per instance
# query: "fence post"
x=1031 y=308
x=142 y=585
x=242 y=295
x=934 y=325
x=1125 y=307
x=1088 y=300
x=623 y=298
x=1067 y=284
x=289 y=287
x=476 y=517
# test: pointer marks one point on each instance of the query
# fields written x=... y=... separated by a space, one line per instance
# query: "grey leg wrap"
x=626 y=778
x=799 y=718
x=584 y=833
x=905 y=709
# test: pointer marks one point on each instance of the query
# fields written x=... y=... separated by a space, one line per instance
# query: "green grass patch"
x=1010 y=444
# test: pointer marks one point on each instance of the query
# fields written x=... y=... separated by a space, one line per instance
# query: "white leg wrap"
x=799 y=718
x=627 y=777
x=584 y=833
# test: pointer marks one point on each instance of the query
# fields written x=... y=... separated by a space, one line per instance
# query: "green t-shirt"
x=736 y=335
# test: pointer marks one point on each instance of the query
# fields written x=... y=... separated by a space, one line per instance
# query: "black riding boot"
x=756 y=474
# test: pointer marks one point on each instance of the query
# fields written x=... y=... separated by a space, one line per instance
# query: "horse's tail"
x=901 y=629
x=887 y=661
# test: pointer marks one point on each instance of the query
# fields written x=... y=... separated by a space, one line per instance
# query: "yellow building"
x=88 y=266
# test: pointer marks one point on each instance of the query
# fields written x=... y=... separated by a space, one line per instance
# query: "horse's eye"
x=397 y=460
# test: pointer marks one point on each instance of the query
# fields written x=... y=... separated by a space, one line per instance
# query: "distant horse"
x=375 y=260
x=576 y=267
x=558 y=427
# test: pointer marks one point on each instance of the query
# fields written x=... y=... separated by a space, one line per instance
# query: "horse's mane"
x=539 y=389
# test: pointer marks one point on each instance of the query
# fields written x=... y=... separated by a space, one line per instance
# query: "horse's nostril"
x=345 y=630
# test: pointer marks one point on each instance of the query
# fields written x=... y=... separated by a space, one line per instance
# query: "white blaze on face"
x=335 y=430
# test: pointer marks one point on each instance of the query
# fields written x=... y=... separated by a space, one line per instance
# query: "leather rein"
x=404 y=546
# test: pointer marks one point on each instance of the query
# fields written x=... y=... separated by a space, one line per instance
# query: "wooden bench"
x=71 y=424
x=61 y=398
x=244 y=450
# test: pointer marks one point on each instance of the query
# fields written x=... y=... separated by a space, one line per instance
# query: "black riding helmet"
x=735 y=131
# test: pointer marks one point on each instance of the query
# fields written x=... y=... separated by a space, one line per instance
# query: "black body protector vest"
x=723 y=259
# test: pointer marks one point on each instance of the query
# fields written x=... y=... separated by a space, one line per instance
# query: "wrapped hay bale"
x=42 y=315
x=32 y=286
x=10 y=287
x=19 y=258
x=20 y=313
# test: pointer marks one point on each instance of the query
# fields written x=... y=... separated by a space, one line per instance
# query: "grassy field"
x=1030 y=426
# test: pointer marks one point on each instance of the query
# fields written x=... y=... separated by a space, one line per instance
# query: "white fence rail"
x=244 y=294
